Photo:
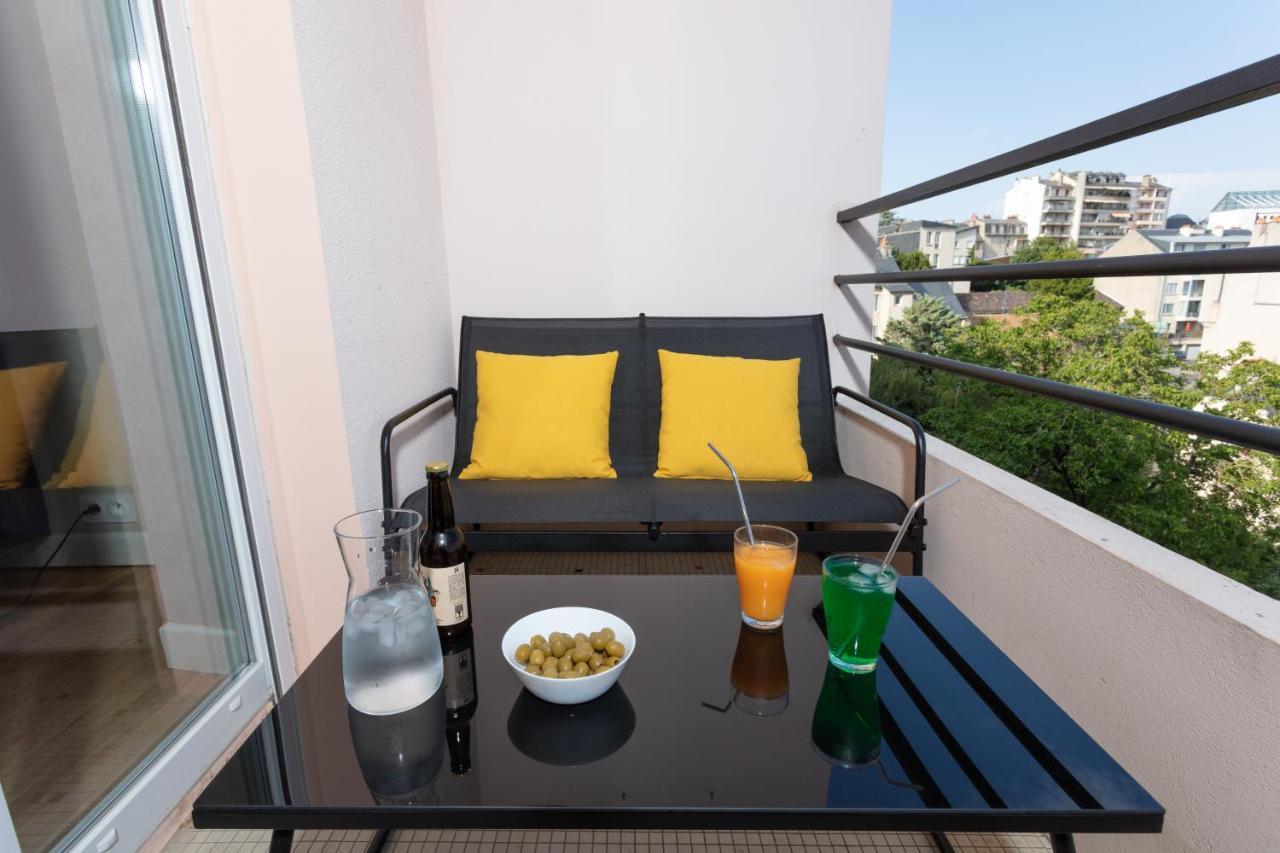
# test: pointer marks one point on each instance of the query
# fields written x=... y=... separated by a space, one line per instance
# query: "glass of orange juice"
x=764 y=571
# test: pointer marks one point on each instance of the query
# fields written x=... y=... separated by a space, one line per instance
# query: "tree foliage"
x=926 y=325
x=1212 y=502
x=913 y=260
x=1040 y=249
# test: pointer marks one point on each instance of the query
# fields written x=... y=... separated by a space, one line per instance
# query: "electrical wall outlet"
x=115 y=508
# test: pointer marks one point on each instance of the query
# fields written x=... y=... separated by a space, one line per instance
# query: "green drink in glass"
x=857 y=598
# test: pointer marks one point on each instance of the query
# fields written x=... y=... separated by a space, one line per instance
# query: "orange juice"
x=764 y=575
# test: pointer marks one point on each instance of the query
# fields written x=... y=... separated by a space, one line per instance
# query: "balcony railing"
x=1244 y=85
x=1240 y=433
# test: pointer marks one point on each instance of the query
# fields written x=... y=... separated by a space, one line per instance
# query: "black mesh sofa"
x=636 y=511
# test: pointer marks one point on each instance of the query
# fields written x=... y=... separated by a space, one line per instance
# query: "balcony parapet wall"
x=1172 y=667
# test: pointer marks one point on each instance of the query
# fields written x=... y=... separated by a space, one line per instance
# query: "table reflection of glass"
x=571 y=735
x=846 y=720
x=400 y=754
x=759 y=674
x=846 y=732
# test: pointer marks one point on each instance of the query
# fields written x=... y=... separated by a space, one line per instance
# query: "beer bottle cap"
x=437 y=467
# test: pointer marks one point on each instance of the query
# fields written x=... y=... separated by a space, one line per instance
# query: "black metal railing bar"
x=1250 y=83
x=1240 y=433
x=388 y=486
x=1256 y=259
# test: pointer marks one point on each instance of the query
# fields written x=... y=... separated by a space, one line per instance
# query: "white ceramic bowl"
x=567 y=691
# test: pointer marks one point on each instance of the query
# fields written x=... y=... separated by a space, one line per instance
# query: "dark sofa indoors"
x=635 y=511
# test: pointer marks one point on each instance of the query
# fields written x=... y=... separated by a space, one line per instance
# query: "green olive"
x=608 y=633
x=581 y=654
x=604 y=666
x=551 y=668
x=568 y=673
x=563 y=663
x=595 y=662
x=537 y=657
x=537 y=640
x=612 y=660
x=598 y=641
x=580 y=637
x=522 y=653
x=614 y=649
x=581 y=668
x=532 y=670
x=558 y=647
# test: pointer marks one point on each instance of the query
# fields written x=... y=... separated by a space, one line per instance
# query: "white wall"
x=1249 y=309
x=665 y=157
x=366 y=87
x=1171 y=667
x=45 y=281
x=1025 y=200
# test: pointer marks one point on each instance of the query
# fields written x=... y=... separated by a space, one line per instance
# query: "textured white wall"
x=1250 y=306
x=367 y=92
x=608 y=158
x=1172 y=667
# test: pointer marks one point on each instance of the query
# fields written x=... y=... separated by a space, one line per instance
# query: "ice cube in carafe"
x=390 y=662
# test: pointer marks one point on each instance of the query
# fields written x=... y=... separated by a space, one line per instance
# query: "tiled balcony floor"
x=543 y=841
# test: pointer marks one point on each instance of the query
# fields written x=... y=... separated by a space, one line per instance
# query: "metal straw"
x=902 y=529
x=741 y=500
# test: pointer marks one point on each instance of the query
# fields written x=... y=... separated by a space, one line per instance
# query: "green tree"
x=1212 y=502
x=913 y=260
x=1045 y=249
x=925 y=326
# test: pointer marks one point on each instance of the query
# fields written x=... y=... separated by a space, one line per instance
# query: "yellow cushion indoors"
x=542 y=417
x=25 y=393
x=748 y=407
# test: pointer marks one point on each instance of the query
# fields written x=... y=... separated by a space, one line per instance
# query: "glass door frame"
x=162 y=71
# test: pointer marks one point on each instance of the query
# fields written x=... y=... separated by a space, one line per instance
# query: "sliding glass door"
x=132 y=648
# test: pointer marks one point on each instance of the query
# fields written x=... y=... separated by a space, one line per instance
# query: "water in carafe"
x=391 y=659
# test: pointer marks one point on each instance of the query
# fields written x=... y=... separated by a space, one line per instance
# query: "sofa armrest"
x=917 y=431
x=388 y=490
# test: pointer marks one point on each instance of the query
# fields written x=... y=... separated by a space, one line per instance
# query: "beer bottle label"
x=459 y=680
x=448 y=593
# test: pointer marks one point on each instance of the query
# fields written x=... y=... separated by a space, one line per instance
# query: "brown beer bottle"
x=444 y=557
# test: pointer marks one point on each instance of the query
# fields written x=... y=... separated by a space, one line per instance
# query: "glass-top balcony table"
x=711 y=726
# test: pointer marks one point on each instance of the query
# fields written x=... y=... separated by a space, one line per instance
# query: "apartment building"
x=1241 y=209
x=949 y=243
x=936 y=239
x=987 y=238
x=1187 y=309
x=1092 y=209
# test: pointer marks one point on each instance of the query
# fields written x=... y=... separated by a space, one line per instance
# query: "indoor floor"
x=87 y=692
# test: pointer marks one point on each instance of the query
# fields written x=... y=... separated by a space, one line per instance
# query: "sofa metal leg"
x=1062 y=842
x=943 y=845
x=378 y=841
x=281 y=840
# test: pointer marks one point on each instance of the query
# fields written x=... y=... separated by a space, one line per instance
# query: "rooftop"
x=1164 y=238
x=1246 y=199
x=993 y=302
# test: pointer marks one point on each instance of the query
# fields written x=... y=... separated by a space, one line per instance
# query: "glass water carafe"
x=391 y=658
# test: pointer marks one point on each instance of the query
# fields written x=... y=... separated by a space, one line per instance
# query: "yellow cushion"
x=25 y=393
x=749 y=408
x=542 y=417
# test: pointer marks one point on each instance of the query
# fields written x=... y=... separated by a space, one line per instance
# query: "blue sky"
x=972 y=80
